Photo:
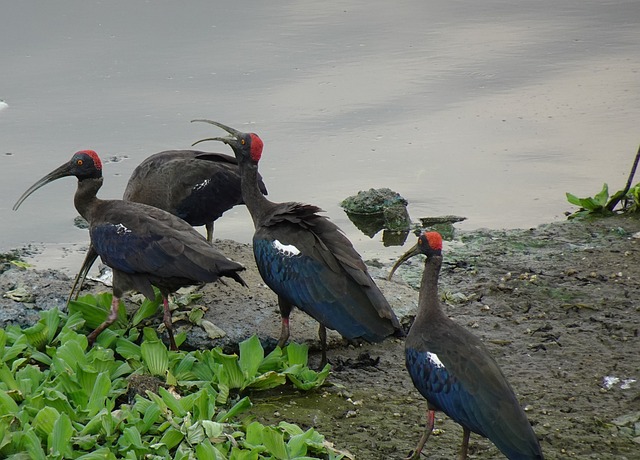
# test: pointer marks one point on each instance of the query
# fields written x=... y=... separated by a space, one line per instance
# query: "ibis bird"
x=307 y=260
x=454 y=371
x=144 y=246
x=196 y=186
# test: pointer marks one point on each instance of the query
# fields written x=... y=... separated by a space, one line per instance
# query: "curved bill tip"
x=403 y=258
x=228 y=129
x=62 y=171
x=221 y=139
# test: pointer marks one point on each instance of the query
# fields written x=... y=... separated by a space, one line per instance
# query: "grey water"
x=490 y=110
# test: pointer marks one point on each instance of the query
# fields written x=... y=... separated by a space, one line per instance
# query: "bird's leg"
x=111 y=318
x=91 y=256
x=465 y=443
x=322 y=333
x=285 y=312
x=209 y=227
x=431 y=420
x=166 y=319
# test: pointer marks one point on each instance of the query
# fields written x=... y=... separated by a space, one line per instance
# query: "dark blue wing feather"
x=331 y=297
x=485 y=405
x=118 y=246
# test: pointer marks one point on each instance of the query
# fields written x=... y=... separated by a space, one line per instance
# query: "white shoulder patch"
x=287 y=250
x=121 y=229
x=433 y=359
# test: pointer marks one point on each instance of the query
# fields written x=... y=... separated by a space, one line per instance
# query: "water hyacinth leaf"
x=229 y=373
x=305 y=379
x=241 y=454
x=131 y=438
x=6 y=377
x=273 y=440
x=297 y=354
x=195 y=434
x=72 y=353
x=602 y=197
x=251 y=355
x=30 y=443
x=97 y=422
x=241 y=406
x=151 y=416
x=44 y=420
x=17 y=347
x=267 y=381
x=74 y=322
x=212 y=429
x=3 y=343
x=182 y=370
x=94 y=310
x=100 y=454
x=147 y=309
x=100 y=393
x=8 y=405
x=273 y=361
x=58 y=399
x=128 y=350
x=171 y=438
x=156 y=357
x=59 y=441
x=37 y=335
x=207 y=450
x=171 y=402
x=253 y=436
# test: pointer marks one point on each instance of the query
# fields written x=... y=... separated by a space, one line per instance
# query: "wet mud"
x=557 y=305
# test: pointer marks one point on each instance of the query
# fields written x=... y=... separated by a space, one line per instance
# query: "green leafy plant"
x=130 y=397
x=602 y=205
x=591 y=205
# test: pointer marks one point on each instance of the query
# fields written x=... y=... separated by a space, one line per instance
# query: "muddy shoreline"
x=557 y=305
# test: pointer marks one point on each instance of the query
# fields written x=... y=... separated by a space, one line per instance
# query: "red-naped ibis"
x=307 y=260
x=196 y=186
x=454 y=371
x=144 y=246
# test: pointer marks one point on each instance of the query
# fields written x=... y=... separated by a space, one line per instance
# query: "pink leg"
x=111 y=318
x=169 y=324
x=431 y=420
x=284 y=333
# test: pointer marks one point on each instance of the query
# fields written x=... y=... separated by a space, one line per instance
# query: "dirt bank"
x=558 y=306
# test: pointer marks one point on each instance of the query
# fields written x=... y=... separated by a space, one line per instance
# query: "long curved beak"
x=233 y=133
x=62 y=171
x=414 y=251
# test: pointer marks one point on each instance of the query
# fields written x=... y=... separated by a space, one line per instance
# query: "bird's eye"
x=79 y=162
x=242 y=142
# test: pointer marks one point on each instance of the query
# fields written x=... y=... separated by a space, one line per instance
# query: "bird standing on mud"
x=196 y=186
x=307 y=260
x=454 y=371
x=143 y=245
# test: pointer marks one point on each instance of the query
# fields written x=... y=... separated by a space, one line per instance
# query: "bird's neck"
x=85 y=198
x=428 y=299
x=253 y=198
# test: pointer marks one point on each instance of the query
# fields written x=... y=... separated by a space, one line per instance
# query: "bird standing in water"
x=143 y=245
x=454 y=371
x=307 y=260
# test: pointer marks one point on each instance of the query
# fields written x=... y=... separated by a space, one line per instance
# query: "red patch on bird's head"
x=256 y=147
x=94 y=156
x=434 y=240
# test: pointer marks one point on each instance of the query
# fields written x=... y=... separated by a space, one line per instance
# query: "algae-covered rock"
x=372 y=201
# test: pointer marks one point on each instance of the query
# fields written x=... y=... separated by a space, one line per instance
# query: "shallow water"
x=488 y=110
